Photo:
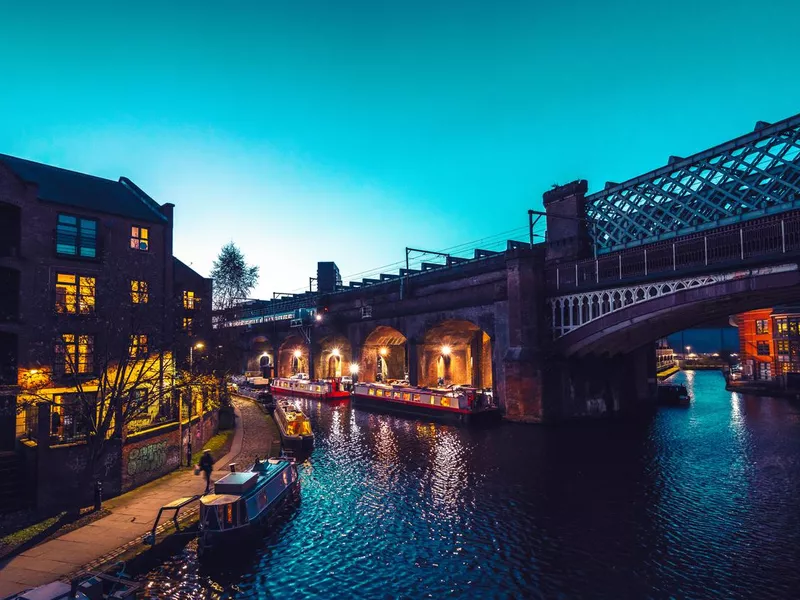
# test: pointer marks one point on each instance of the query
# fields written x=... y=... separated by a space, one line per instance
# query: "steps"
x=13 y=492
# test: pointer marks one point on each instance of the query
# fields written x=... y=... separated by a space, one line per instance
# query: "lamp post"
x=198 y=346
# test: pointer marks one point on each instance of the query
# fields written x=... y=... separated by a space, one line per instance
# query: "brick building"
x=87 y=274
x=769 y=342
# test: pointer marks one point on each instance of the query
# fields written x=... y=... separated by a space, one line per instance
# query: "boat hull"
x=319 y=390
x=423 y=410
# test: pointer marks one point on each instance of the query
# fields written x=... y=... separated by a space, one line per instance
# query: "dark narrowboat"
x=243 y=500
x=671 y=394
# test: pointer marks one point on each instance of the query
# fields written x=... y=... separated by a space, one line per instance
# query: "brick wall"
x=149 y=455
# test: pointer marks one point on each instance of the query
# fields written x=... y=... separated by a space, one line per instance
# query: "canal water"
x=701 y=502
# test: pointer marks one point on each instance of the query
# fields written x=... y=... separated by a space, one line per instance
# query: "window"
x=139 y=293
x=138 y=345
x=782 y=326
x=140 y=238
x=74 y=294
x=764 y=370
x=762 y=326
x=189 y=300
x=792 y=326
x=187 y=325
x=75 y=354
x=762 y=348
x=782 y=347
x=76 y=236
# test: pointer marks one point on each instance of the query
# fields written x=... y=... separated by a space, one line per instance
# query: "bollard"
x=232 y=467
x=98 y=494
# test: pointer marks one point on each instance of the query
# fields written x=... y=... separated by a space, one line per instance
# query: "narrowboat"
x=242 y=500
x=95 y=586
x=299 y=385
x=672 y=394
x=293 y=424
x=462 y=402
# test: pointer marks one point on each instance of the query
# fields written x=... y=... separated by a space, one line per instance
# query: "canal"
x=701 y=502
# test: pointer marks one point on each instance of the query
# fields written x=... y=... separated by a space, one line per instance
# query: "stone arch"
x=292 y=356
x=333 y=357
x=383 y=355
x=458 y=352
x=261 y=356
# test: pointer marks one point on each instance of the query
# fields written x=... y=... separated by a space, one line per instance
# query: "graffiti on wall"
x=151 y=457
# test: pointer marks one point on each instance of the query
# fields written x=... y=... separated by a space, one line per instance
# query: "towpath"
x=132 y=514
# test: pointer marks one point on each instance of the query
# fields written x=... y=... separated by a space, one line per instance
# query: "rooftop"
x=79 y=190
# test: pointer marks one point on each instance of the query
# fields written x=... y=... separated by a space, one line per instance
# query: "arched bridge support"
x=593 y=386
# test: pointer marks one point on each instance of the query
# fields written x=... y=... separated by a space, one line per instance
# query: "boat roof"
x=217 y=499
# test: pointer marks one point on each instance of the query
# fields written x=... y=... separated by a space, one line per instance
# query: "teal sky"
x=346 y=130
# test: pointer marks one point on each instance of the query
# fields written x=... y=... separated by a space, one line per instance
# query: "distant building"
x=665 y=356
x=769 y=342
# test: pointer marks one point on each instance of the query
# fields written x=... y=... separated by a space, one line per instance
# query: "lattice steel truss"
x=753 y=175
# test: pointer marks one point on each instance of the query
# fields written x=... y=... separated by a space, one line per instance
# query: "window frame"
x=138 y=347
x=187 y=324
x=190 y=300
x=762 y=326
x=79 y=306
x=64 y=348
x=139 y=242
x=760 y=346
x=137 y=295
x=80 y=249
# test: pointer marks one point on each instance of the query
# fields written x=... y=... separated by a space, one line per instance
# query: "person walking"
x=206 y=465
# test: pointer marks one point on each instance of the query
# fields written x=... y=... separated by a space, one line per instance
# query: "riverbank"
x=132 y=514
x=755 y=388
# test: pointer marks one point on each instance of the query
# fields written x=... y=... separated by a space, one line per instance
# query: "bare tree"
x=116 y=371
x=233 y=278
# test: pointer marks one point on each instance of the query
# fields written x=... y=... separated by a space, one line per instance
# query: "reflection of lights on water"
x=449 y=473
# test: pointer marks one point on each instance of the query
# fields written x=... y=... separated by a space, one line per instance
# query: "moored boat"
x=462 y=402
x=673 y=394
x=325 y=389
x=245 y=499
x=293 y=425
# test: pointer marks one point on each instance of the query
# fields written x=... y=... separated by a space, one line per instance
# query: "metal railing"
x=769 y=236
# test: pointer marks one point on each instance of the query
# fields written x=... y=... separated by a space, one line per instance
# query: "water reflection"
x=700 y=502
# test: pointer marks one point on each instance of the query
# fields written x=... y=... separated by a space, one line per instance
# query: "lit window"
x=762 y=326
x=140 y=238
x=762 y=348
x=782 y=326
x=138 y=345
x=75 y=353
x=76 y=236
x=74 y=294
x=189 y=300
x=139 y=292
x=782 y=347
x=792 y=326
x=187 y=325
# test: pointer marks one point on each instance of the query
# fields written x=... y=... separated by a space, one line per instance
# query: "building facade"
x=769 y=342
x=90 y=295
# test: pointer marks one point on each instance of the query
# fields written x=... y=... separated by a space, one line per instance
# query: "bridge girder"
x=753 y=175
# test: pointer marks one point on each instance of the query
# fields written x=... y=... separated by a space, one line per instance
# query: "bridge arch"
x=333 y=357
x=293 y=356
x=657 y=311
x=260 y=356
x=455 y=352
x=383 y=355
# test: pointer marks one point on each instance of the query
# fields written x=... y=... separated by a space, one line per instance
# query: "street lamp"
x=446 y=350
x=197 y=346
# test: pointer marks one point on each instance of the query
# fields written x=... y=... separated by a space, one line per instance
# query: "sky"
x=347 y=130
